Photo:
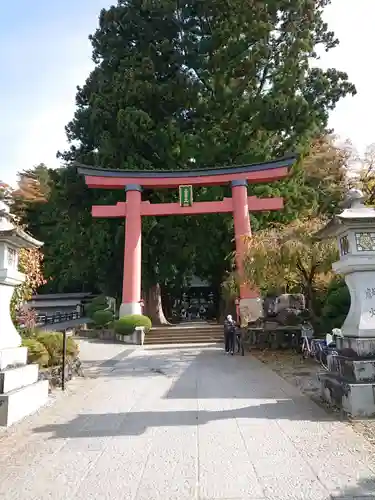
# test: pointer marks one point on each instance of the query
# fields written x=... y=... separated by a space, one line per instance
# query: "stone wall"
x=92 y=333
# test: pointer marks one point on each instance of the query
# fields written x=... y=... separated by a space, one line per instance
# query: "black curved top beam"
x=286 y=161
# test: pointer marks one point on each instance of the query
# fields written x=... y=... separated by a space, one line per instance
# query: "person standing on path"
x=229 y=334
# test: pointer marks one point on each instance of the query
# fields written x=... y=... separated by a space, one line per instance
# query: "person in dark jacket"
x=229 y=334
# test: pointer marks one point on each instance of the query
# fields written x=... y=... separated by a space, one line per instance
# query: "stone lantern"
x=20 y=391
x=350 y=381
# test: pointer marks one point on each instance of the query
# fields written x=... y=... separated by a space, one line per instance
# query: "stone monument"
x=350 y=381
x=20 y=391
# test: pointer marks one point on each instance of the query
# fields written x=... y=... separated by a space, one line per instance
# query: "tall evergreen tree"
x=198 y=83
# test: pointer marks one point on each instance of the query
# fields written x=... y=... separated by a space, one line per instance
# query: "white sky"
x=353 y=23
x=33 y=133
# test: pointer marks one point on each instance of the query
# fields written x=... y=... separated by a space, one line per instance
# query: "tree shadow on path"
x=137 y=423
x=363 y=490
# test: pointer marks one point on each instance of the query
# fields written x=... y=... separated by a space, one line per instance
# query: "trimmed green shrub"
x=97 y=304
x=91 y=309
x=126 y=325
x=36 y=352
x=99 y=300
x=336 y=305
x=53 y=342
x=102 y=318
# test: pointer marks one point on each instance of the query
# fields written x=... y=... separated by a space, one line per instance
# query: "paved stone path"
x=183 y=423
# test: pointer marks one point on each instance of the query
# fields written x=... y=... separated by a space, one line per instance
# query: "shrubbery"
x=336 y=306
x=97 y=304
x=100 y=300
x=36 y=352
x=126 y=325
x=53 y=342
x=102 y=318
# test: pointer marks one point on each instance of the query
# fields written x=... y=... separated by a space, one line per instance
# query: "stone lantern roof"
x=355 y=214
x=10 y=233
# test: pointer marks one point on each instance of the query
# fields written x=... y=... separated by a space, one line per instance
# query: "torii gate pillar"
x=131 y=288
x=250 y=302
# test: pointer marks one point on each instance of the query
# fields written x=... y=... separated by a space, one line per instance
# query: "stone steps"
x=186 y=333
x=182 y=340
x=22 y=402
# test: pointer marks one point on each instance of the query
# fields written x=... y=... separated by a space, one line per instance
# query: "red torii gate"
x=133 y=209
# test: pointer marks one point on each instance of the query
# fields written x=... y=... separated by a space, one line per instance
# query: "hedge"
x=126 y=324
x=102 y=318
x=99 y=300
x=97 y=304
x=337 y=305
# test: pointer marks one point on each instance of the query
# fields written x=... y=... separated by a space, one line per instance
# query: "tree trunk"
x=227 y=306
x=309 y=294
x=166 y=301
x=154 y=306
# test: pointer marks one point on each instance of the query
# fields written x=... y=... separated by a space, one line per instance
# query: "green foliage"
x=51 y=221
x=336 y=305
x=53 y=342
x=126 y=325
x=91 y=309
x=36 y=352
x=97 y=304
x=102 y=318
x=100 y=300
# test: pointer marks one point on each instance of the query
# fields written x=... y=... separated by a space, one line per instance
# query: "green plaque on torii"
x=186 y=196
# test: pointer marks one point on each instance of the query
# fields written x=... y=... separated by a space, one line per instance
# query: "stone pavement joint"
x=179 y=423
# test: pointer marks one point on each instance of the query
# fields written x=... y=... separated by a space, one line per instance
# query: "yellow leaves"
x=366 y=178
x=30 y=263
x=288 y=255
x=29 y=190
x=231 y=286
x=326 y=162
